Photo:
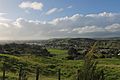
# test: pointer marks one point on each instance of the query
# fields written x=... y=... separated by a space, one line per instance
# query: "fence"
x=22 y=73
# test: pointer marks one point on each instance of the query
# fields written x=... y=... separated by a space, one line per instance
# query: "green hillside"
x=55 y=54
x=50 y=65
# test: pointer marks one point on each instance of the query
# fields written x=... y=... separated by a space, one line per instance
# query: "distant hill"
x=111 y=38
x=64 y=40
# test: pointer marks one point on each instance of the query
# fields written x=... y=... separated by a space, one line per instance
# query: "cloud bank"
x=79 y=25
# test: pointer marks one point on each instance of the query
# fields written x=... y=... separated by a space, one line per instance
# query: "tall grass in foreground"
x=89 y=71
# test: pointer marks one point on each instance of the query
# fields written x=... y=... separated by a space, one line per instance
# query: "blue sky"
x=69 y=18
x=78 y=6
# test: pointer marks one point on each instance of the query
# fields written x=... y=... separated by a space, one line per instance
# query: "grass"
x=60 y=54
x=50 y=65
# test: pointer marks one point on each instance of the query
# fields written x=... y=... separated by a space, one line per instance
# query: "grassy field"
x=50 y=65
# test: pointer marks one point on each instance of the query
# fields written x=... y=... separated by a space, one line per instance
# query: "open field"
x=49 y=66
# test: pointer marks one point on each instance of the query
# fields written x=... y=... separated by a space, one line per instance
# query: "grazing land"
x=55 y=54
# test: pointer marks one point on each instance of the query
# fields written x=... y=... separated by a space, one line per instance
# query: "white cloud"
x=2 y=18
x=51 y=11
x=104 y=14
x=77 y=25
x=88 y=29
x=70 y=6
x=113 y=28
x=63 y=30
x=32 y=5
x=54 y=10
x=1 y=14
x=60 y=10
x=63 y=21
x=4 y=25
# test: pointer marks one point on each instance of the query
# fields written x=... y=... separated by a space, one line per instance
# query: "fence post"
x=102 y=75
x=78 y=74
x=59 y=74
x=37 y=73
x=20 y=73
x=4 y=71
x=24 y=75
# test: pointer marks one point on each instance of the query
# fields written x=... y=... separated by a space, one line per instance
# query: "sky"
x=45 y=19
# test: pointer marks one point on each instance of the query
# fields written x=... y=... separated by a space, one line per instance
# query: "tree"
x=72 y=51
x=73 y=54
